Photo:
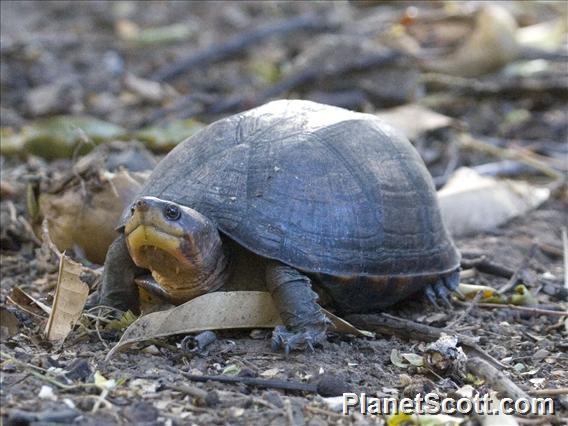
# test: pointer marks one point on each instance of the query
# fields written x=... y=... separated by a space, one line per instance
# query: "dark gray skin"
x=321 y=195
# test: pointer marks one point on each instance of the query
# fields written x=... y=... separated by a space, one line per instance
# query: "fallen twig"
x=301 y=78
x=466 y=311
x=483 y=264
x=526 y=309
x=199 y=394
x=289 y=412
x=400 y=327
x=327 y=386
x=240 y=43
x=565 y=250
x=517 y=275
x=541 y=420
x=549 y=392
x=323 y=411
x=495 y=378
x=468 y=141
x=524 y=88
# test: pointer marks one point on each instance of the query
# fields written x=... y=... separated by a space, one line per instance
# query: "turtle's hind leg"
x=305 y=323
x=443 y=288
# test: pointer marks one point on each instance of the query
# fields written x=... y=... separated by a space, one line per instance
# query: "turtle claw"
x=430 y=294
x=287 y=340
x=442 y=289
x=452 y=280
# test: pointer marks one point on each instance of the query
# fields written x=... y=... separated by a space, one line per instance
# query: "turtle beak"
x=141 y=205
x=146 y=211
x=148 y=228
x=136 y=218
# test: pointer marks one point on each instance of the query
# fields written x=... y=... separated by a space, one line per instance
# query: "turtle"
x=313 y=202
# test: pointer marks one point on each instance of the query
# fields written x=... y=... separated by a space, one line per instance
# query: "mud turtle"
x=286 y=195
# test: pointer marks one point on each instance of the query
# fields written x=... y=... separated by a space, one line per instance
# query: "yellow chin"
x=153 y=249
x=143 y=237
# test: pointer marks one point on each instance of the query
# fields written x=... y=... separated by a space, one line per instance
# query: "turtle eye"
x=172 y=212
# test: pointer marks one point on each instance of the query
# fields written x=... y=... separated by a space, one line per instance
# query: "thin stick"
x=467 y=141
x=21 y=363
x=301 y=78
x=527 y=309
x=240 y=43
x=192 y=391
x=253 y=381
x=565 y=250
x=549 y=392
x=318 y=410
x=495 y=378
x=516 y=276
x=289 y=412
x=400 y=327
x=483 y=264
x=466 y=311
x=395 y=326
x=57 y=383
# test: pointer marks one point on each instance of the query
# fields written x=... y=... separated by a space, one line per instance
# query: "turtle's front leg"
x=118 y=287
x=304 y=322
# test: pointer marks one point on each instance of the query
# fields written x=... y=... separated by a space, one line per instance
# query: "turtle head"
x=180 y=246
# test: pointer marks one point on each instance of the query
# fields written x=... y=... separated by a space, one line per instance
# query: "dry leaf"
x=548 y=35
x=70 y=298
x=339 y=325
x=397 y=360
x=215 y=311
x=491 y=45
x=488 y=294
x=472 y=203
x=414 y=359
x=270 y=373
x=212 y=311
x=414 y=120
x=9 y=324
x=28 y=304
x=88 y=220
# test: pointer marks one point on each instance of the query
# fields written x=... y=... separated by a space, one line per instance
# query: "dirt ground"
x=83 y=58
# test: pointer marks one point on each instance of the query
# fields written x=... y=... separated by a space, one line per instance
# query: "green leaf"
x=523 y=296
x=11 y=143
x=124 y=322
x=58 y=137
x=397 y=360
x=231 y=370
x=165 y=138
x=103 y=383
x=401 y=419
x=414 y=359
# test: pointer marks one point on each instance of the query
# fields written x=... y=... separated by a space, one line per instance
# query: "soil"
x=77 y=48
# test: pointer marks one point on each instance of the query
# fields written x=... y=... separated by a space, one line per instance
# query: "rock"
x=59 y=97
x=79 y=370
x=141 y=412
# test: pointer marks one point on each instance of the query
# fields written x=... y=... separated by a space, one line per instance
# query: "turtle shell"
x=320 y=188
